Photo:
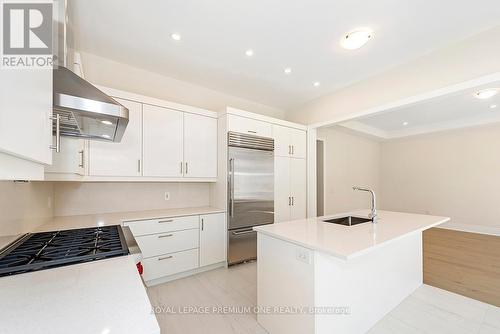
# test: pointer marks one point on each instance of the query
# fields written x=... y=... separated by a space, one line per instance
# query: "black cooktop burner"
x=46 y=250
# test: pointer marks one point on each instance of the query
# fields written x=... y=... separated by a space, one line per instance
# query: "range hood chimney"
x=83 y=110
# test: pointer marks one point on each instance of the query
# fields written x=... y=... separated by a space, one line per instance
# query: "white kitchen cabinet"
x=298 y=188
x=289 y=142
x=162 y=141
x=212 y=239
x=290 y=177
x=123 y=158
x=25 y=123
x=249 y=126
x=200 y=146
x=71 y=159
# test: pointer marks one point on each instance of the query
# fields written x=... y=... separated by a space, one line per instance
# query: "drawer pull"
x=165 y=258
x=165 y=221
x=164 y=236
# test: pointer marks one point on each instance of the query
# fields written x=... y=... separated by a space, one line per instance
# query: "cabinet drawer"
x=154 y=226
x=249 y=126
x=169 y=264
x=169 y=242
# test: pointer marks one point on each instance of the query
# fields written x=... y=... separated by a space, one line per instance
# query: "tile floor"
x=427 y=310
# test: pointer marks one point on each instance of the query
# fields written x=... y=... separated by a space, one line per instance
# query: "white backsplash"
x=74 y=198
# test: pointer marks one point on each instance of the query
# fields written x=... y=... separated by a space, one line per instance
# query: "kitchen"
x=197 y=153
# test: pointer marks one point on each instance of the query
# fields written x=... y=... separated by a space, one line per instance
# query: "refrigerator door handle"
x=231 y=187
x=248 y=231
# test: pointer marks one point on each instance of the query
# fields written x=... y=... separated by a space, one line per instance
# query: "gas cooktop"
x=38 y=251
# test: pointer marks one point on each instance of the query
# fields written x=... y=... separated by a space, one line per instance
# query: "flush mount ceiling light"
x=176 y=36
x=107 y=122
x=249 y=52
x=287 y=70
x=316 y=84
x=405 y=123
x=493 y=106
x=357 y=38
x=486 y=93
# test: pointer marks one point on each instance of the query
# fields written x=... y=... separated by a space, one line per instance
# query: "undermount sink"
x=348 y=221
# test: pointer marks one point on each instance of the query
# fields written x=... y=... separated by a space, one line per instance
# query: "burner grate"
x=53 y=249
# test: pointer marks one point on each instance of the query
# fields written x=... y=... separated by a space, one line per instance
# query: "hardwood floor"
x=464 y=263
x=428 y=310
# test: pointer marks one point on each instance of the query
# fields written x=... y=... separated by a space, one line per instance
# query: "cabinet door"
x=298 y=188
x=200 y=146
x=282 y=145
x=282 y=199
x=71 y=159
x=162 y=141
x=123 y=158
x=212 y=239
x=249 y=126
x=25 y=111
x=298 y=141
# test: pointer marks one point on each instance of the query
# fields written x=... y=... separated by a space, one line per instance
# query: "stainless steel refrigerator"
x=250 y=193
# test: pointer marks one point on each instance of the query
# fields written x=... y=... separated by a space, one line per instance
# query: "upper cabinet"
x=249 y=126
x=162 y=142
x=123 y=158
x=25 y=122
x=289 y=142
x=200 y=146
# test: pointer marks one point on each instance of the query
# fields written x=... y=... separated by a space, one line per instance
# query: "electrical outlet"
x=167 y=196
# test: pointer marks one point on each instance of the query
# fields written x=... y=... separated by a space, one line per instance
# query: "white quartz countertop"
x=100 y=297
x=117 y=218
x=346 y=242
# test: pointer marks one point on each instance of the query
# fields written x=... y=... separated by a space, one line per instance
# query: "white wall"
x=107 y=72
x=350 y=159
x=453 y=173
x=75 y=198
x=24 y=206
x=474 y=57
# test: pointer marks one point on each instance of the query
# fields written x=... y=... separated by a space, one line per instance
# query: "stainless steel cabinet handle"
x=289 y=150
x=243 y=232
x=82 y=159
x=186 y=167
x=57 y=147
x=293 y=149
x=289 y=201
x=165 y=236
x=202 y=224
x=231 y=187
x=165 y=258
x=293 y=200
x=138 y=165
x=182 y=170
x=165 y=221
x=252 y=131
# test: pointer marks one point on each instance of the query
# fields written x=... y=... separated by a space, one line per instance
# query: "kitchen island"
x=318 y=277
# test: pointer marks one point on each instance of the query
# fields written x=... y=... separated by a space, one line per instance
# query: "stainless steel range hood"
x=82 y=109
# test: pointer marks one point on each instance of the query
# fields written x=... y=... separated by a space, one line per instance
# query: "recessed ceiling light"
x=106 y=136
x=287 y=70
x=176 y=36
x=316 y=84
x=405 y=123
x=249 y=52
x=107 y=122
x=486 y=93
x=493 y=106
x=356 y=38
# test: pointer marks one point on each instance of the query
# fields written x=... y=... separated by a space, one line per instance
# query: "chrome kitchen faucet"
x=373 y=215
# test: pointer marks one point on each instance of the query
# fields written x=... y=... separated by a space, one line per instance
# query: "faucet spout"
x=373 y=215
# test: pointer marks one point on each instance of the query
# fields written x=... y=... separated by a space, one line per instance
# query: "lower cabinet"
x=179 y=245
x=212 y=239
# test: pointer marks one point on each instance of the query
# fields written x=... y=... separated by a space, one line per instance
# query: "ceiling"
x=303 y=35
x=452 y=111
